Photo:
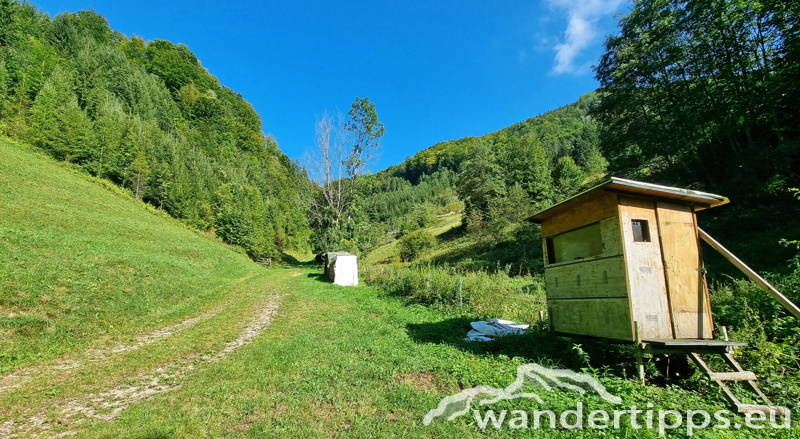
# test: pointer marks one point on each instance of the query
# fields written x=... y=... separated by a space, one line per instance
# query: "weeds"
x=485 y=293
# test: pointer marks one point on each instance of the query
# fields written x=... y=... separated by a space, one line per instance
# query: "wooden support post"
x=783 y=300
x=639 y=352
x=541 y=316
x=724 y=332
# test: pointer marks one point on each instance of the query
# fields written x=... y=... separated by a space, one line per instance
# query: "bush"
x=408 y=226
x=413 y=245
x=752 y=316
x=454 y=207
x=487 y=294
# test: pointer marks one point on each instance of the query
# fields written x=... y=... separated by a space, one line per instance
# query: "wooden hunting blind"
x=625 y=252
x=623 y=263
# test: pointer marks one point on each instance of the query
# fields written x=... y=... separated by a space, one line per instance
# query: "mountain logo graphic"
x=459 y=404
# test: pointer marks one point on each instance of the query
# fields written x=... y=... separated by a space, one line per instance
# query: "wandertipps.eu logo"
x=533 y=375
x=459 y=404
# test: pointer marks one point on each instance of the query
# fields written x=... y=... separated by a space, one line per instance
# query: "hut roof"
x=701 y=200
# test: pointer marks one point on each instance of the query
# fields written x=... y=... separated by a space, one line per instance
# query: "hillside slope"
x=82 y=263
x=548 y=157
x=147 y=116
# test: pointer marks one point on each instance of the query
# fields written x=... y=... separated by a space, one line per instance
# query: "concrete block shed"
x=623 y=264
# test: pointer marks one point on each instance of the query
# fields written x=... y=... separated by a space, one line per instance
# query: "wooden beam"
x=732 y=376
x=639 y=352
x=783 y=300
x=765 y=409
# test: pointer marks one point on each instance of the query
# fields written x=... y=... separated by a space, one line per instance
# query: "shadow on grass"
x=451 y=234
x=320 y=277
x=291 y=260
x=535 y=345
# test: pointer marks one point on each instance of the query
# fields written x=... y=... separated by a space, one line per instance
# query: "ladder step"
x=732 y=376
x=766 y=409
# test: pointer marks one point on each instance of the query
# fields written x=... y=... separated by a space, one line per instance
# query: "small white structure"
x=342 y=268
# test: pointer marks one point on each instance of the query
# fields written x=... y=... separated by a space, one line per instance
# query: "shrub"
x=485 y=293
x=413 y=245
x=752 y=316
x=454 y=207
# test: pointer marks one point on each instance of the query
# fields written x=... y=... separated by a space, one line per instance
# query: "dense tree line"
x=391 y=198
x=500 y=177
x=695 y=92
x=150 y=118
x=566 y=131
x=704 y=94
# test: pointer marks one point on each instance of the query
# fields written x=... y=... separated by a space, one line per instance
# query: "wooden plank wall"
x=612 y=241
x=607 y=318
x=688 y=297
x=599 y=278
x=590 y=296
x=646 y=282
x=587 y=213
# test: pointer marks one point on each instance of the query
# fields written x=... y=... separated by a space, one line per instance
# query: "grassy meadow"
x=120 y=322
x=85 y=264
x=357 y=362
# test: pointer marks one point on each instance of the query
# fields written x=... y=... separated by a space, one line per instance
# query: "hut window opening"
x=641 y=230
x=584 y=242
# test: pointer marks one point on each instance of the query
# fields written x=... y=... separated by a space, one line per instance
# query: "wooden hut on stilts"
x=623 y=264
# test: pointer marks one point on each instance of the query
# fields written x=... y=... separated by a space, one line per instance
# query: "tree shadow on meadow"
x=321 y=277
x=291 y=260
x=536 y=345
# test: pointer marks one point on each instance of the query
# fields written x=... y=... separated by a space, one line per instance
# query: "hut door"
x=645 y=268
x=691 y=312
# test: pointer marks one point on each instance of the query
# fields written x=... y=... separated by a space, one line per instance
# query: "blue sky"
x=435 y=70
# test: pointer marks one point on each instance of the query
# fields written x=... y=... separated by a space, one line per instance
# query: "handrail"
x=783 y=300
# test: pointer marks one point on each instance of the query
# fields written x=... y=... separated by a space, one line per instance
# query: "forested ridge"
x=695 y=94
x=698 y=94
x=522 y=167
x=150 y=118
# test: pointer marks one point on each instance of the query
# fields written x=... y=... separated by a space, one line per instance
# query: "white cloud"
x=581 y=30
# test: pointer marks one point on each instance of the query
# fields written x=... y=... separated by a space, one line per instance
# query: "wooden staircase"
x=694 y=348
x=738 y=374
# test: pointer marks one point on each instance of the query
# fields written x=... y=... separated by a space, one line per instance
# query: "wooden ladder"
x=738 y=374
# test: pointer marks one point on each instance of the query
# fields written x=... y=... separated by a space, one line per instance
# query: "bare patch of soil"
x=420 y=381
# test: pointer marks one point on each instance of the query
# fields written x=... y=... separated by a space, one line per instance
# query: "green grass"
x=84 y=264
x=353 y=362
x=85 y=268
x=489 y=288
x=386 y=253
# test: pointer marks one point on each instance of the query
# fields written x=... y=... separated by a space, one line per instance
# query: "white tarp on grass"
x=488 y=330
x=344 y=270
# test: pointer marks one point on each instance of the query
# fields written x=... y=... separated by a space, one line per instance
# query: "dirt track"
x=107 y=404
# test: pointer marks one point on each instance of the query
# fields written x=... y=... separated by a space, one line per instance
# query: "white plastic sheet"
x=492 y=328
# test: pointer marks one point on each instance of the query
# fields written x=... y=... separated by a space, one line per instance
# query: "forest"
x=699 y=94
x=148 y=117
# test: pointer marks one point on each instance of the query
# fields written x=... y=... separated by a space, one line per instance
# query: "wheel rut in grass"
x=67 y=366
x=106 y=405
